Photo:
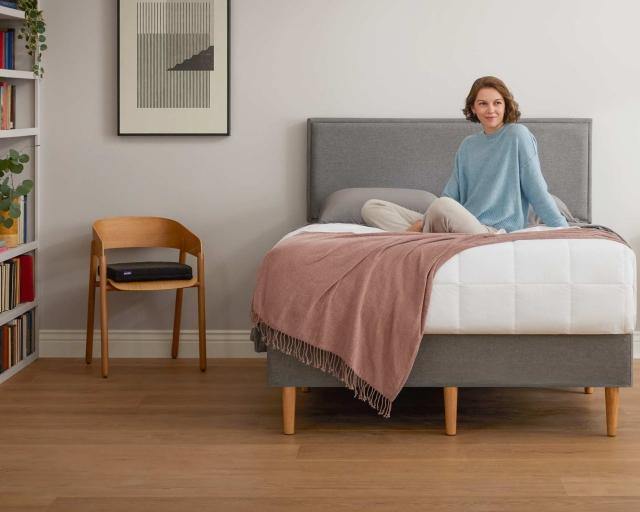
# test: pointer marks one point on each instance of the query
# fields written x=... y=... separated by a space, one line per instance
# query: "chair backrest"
x=124 y=232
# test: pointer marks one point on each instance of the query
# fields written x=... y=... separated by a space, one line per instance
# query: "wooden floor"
x=159 y=435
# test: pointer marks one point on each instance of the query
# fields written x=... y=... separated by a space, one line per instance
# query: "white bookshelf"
x=6 y=13
x=19 y=132
x=16 y=74
x=7 y=374
x=28 y=127
x=20 y=309
x=17 y=251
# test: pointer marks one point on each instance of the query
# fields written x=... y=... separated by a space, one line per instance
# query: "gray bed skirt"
x=494 y=361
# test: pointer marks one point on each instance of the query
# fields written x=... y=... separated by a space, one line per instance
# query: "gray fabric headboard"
x=419 y=153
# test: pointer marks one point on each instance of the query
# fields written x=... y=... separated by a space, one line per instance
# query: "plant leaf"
x=14 y=211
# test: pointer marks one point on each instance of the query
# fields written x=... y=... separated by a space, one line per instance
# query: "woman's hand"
x=416 y=226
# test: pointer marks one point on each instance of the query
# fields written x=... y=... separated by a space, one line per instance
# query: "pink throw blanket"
x=353 y=305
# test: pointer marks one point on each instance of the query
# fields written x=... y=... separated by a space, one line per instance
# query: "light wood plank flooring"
x=159 y=435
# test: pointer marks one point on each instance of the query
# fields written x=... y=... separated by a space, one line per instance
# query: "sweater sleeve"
x=535 y=188
x=452 y=188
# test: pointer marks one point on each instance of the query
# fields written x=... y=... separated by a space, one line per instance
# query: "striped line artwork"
x=175 y=55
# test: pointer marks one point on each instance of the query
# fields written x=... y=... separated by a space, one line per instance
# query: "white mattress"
x=529 y=287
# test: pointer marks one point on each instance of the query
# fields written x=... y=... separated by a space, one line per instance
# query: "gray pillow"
x=345 y=205
x=534 y=220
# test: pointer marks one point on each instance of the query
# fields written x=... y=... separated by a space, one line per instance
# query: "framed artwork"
x=173 y=67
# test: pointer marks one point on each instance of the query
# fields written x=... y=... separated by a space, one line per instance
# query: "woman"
x=496 y=176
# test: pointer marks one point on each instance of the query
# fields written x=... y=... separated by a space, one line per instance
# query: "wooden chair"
x=129 y=232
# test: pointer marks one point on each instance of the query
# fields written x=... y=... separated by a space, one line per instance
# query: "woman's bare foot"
x=416 y=226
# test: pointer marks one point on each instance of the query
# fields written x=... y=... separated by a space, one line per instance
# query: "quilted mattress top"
x=529 y=287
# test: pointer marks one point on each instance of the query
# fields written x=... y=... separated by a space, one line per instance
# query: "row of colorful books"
x=16 y=341
x=16 y=282
x=8 y=49
x=7 y=100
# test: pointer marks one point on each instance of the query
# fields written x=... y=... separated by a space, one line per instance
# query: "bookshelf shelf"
x=17 y=251
x=7 y=374
x=20 y=309
x=19 y=132
x=7 y=13
x=17 y=74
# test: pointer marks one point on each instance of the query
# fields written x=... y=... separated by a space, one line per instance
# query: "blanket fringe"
x=324 y=360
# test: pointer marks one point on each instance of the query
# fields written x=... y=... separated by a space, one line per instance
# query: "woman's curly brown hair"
x=511 y=112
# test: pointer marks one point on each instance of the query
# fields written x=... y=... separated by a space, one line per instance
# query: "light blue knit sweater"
x=497 y=176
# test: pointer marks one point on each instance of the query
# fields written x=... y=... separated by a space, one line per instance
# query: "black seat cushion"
x=148 y=271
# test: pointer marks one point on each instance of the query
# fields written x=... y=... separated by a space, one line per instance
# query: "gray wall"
x=292 y=59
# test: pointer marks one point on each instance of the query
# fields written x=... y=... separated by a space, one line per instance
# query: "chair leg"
x=588 y=390
x=611 y=396
x=289 y=410
x=91 y=307
x=176 y=323
x=104 y=328
x=450 y=410
x=202 y=327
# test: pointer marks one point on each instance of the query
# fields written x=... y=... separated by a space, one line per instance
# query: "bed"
x=505 y=315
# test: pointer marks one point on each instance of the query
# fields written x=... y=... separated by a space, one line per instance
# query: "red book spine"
x=27 y=290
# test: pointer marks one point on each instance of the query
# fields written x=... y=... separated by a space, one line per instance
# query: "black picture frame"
x=165 y=33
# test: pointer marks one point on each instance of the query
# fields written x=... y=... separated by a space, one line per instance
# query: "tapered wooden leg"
x=104 y=328
x=202 y=328
x=450 y=410
x=91 y=307
x=611 y=396
x=176 y=323
x=289 y=410
x=588 y=390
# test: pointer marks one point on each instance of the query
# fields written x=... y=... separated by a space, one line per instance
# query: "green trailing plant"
x=12 y=164
x=33 y=33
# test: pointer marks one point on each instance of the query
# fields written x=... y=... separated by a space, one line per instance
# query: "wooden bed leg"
x=450 y=410
x=588 y=390
x=611 y=396
x=289 y=410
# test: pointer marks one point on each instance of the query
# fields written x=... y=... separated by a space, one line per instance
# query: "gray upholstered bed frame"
x=418 y=153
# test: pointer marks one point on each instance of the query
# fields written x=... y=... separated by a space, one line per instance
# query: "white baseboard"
x=70 y=343
x=139 y=343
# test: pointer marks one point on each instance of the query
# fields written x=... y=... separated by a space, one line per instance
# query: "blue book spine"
x=12 y=56
x=24 y=219
x=8 y=3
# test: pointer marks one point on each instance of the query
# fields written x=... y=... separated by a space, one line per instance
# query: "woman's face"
x=489 y=107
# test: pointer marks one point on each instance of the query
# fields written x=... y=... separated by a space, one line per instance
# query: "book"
x=27 y=291
x=6 y=352
x=9 y=4
x=11 y=36
x=12 y=110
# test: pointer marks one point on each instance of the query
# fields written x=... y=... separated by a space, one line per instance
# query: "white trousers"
x=444 y=215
